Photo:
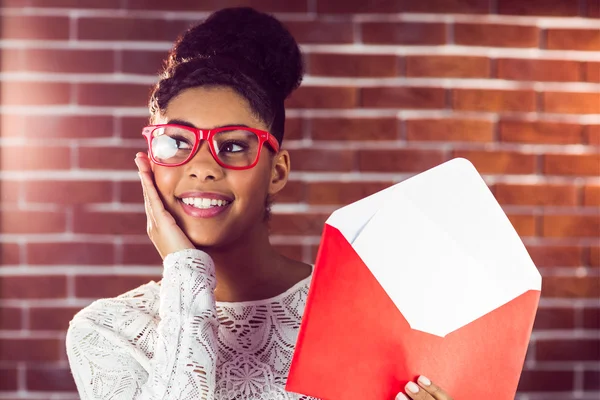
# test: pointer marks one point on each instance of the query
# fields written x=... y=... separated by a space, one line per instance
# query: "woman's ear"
x=280 y=172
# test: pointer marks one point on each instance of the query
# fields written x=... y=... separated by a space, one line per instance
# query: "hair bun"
x=247 y=36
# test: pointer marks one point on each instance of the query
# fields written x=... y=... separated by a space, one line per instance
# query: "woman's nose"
x=203 y=165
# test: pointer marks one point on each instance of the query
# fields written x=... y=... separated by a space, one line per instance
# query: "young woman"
x=223 y=321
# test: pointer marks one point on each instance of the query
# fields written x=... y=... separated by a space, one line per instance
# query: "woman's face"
x=202 y=177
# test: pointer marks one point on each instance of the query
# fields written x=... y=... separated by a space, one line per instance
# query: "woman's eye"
x=181 y=143
x=232 y=147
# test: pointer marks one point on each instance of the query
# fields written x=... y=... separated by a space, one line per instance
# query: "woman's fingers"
x=425 y=390
x=162 y=228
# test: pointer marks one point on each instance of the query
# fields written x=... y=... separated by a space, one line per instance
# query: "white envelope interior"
x=441 y=247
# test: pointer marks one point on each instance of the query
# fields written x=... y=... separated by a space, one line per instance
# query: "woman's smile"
x=204 y=204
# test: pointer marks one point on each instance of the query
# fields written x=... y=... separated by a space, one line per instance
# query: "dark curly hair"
x=241 y=48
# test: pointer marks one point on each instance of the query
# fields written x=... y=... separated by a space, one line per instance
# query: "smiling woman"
x=223 y=322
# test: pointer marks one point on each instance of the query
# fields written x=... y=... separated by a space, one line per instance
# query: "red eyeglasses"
x=233 y=147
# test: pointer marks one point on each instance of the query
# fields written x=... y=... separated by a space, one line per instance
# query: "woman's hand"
x=162 y=229
x=425 y=390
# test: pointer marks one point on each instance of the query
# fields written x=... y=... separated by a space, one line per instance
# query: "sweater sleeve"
x=108 y=362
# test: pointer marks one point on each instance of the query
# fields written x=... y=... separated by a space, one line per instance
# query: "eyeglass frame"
x=208 y=135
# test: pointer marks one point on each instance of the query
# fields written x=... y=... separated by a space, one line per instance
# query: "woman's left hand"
x=424 y=390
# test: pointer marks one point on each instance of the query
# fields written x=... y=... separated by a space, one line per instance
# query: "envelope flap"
x=443 y=249
x=351 y=219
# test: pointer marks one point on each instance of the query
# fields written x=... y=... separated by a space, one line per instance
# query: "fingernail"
x=401 y=396
x=423 y=380
x=412 y=387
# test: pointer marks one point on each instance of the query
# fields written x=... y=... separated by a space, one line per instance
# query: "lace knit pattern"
x=173 y=341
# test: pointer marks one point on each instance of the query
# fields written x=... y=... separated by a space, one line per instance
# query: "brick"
x=48 y=379
x=11 y=60
x=591 y=195
x=102 y=158
x=30 y=93
x=68 y=192
x=540 y=132
x=593 y=11
x=406 y=33
x=112 y=94
x=11 y=222
x=11 y=318
x=141 y=254
x=319 y=32
x=131 y=127
x=131 y=192
x=556 y=255
x=298 y=224
x=30 y=350
x=450 y=130
x=546 y=381
x=295 y=252
x=499 y=162
x=33 y=157
x=539 y=8
x=359 y=7
x=113 y=223
x=12 y=125
x=142 y=61
x=354 y=129
x=68 y=61
x=51 y=318
x=591 y=318
x=592 y=71
x=525 y=225
x=293 y=192
x=568 y=350
x=10 y=192
x=68 y=126
x=571 y=164
x=448 y=6
x=571 y=103
x=66 y=3
x=399 y=160
x=496 y=35
x=10 y=253
x=573 y=39
x=270 y=6
x=537 y=195
x=9 y=381
x=93 y=287
x=591 y=380
x=403 y=97
x=133 y=29
x=554 y=318
x=35 y=27
x=352 y=65
x=591 y=135
x=571 y=226
x=33 y=287
x=294 y=129
x=323 y=97
x=493 y=100
x=323 y=160
x=70 y=253
x=593 y=256
x=342 y=193
x=539 y=70
x=448 y=66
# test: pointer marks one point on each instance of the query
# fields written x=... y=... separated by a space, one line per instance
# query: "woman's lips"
x=203 y=212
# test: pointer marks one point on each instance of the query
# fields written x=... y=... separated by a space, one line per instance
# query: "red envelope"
x=427 y=277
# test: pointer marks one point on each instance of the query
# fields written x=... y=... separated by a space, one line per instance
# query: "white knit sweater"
x=174 y=341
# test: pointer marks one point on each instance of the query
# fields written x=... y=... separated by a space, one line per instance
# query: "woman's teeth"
x=203 y=202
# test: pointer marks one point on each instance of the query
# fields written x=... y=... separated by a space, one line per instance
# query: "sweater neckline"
x=269 y=300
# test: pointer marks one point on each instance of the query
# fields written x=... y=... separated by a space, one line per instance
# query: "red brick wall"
x=393 y=88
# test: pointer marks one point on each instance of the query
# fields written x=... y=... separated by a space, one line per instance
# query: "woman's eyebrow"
x=186 y=123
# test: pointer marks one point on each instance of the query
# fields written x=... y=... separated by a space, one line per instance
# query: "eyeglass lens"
x=234 y=148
